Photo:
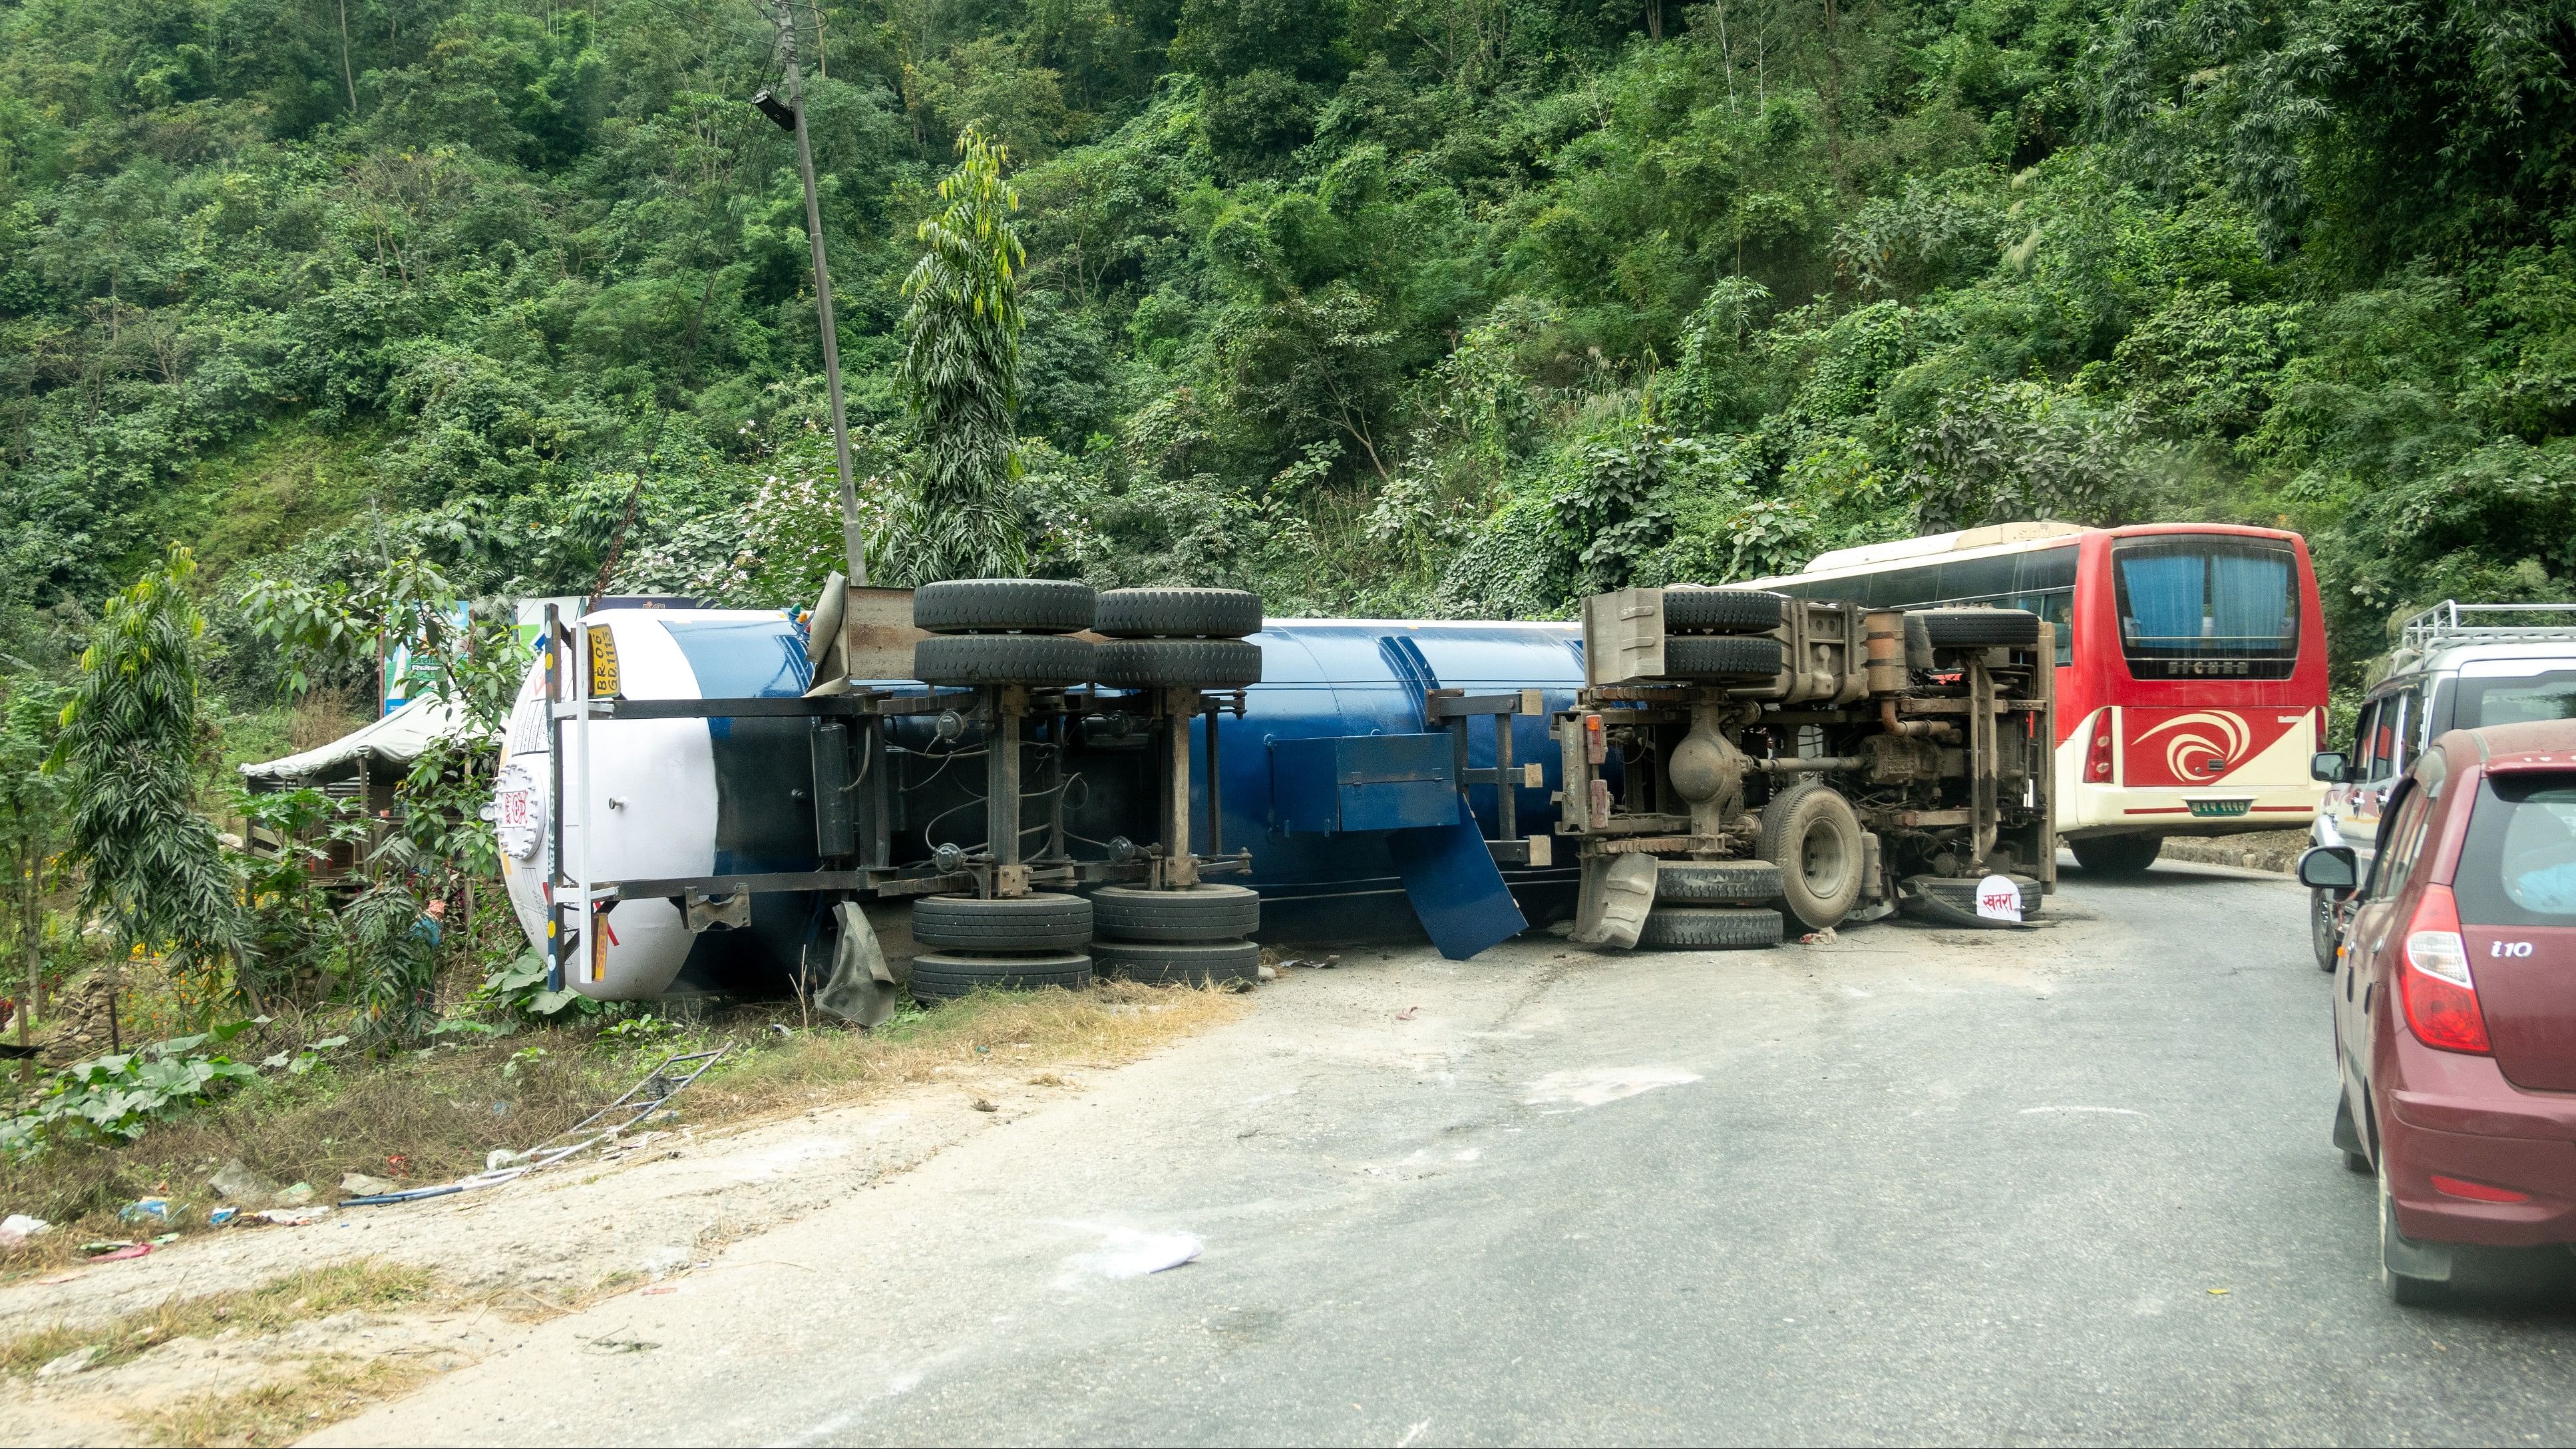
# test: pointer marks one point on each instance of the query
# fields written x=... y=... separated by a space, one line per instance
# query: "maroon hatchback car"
x=2455 y=1013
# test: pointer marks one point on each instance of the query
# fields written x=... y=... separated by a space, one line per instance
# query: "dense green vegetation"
x=1435 y=306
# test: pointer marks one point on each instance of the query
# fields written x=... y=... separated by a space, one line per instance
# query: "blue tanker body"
x=1332 y=677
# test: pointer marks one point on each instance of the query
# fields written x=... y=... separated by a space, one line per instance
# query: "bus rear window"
x=2207 y=607
x=2519 y=865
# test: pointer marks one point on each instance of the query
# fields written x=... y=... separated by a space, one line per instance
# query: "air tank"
x=672 y=798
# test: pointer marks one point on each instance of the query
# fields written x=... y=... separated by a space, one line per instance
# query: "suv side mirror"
x=2330 y=868
x=2330 y=767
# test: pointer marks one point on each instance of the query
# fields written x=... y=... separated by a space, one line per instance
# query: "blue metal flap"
x=1339 y=783
x=1456 y=889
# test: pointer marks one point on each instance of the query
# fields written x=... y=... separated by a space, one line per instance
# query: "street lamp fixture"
x=776 y=110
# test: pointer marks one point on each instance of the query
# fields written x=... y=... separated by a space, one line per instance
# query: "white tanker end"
x=652 y=784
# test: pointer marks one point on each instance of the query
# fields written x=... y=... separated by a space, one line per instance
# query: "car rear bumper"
x=2456 y=1116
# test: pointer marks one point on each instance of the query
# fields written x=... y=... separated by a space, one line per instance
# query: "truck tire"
x=1976 y=628
x=1710 y=928
x=2322 y=936
x=1721 y=656
x=1041 y=659
x=1177 y=613
x=1206 y=663
x=1809 y=830
x=1959 y=893
x=941 y=975
x=1174 y=963
x=1722 y=611
x=1718 y=882
x=2116 y=854
x=1045 y=921
x=1201 y=913
x=1002 y=606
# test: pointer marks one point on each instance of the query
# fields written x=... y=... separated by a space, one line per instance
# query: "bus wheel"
x=1809 y=831
x=2116 y=854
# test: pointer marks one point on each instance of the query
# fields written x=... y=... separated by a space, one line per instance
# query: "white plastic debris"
x=237 y=1184
x=1598 y=1086
x=76 y=1361
x=18 y=1228
x=1127 y=1253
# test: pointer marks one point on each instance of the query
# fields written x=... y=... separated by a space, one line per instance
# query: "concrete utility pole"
x=791 y=116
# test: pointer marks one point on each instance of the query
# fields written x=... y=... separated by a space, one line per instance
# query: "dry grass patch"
x=282 y=1410
x=1110 y=1024
x=431 y=1115
x=314 y=1293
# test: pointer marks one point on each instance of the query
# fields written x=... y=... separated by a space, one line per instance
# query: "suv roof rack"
x=2448 y=623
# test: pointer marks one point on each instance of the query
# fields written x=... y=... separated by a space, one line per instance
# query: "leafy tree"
x=409 y=605
x=288 y=922
x=960 y=372
x=131 y=737
x=391 y=962
x=2023 y=450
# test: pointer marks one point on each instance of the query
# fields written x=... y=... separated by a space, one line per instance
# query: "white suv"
x=2451 y=670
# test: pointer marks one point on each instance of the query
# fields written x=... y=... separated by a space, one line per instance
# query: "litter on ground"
x=76 y=1361
x=1127 y=1253
x=645 y=1098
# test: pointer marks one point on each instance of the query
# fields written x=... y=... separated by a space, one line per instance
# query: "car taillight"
x=2097 y=754
x=2441 y=1001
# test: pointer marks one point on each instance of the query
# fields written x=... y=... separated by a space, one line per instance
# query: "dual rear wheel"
x=1012 y=943
x=1193 y=937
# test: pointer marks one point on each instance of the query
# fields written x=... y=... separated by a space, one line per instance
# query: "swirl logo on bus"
x=2202 y=746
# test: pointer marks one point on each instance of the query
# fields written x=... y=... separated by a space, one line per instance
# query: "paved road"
x=2064 y=1185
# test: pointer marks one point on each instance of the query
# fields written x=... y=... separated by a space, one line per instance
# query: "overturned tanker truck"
x=1017 y=782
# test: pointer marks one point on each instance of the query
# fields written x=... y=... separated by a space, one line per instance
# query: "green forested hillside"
x=1435 y=306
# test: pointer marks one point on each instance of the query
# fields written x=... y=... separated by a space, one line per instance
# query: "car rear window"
x=2519 y=867
x=2484 y=702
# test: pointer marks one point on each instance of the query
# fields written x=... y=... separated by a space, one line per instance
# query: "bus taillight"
x=2097 y=754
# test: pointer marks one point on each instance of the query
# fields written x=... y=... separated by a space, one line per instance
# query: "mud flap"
x=1618 y=891
x=862 y=987
x=1456 y=889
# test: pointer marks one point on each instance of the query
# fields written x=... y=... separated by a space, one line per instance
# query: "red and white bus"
x=2191 y=665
